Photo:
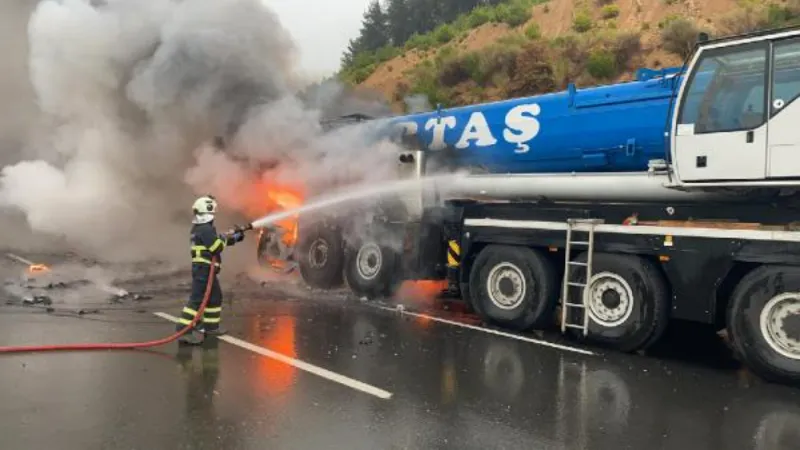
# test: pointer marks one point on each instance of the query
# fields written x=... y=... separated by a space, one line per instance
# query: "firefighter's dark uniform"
x=206 y=243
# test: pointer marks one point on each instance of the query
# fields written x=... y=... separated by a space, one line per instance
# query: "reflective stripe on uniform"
x=217 y=244
x=187 y=315
x=198 y=259
x=212 y=315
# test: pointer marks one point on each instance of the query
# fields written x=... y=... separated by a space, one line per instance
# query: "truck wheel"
x=627 y=301
x=320 y=255
x=371 y=269
x=514 y=287
x=764 y=323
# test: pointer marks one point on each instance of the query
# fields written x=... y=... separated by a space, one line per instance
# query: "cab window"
x=785 y=74
x=726 y=90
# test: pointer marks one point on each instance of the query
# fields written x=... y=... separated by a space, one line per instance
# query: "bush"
x=610 y=11
x=602 y=65
x=514 y=14
x=679 y=37
x=532 y=31
x=668 y=20
x=424 y=81
x=626 y=46
x=420 y=41
x=443 y=34
x=582 y=23
x=479 y=16
x=386 y=53
x=459 y=68
x=534 y=72
x=495 y=59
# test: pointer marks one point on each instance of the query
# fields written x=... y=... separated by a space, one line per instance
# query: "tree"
x=374 y=28
x=400 y=28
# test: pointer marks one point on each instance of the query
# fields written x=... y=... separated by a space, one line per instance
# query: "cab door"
x=784 y=110
x=721 y=131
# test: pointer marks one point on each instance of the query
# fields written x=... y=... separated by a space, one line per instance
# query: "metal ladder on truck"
x=573 y=226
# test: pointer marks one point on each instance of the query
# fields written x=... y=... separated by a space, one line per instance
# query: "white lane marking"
x=319 y=371
x=490 y=331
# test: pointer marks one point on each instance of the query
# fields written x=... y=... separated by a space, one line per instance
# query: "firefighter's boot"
x=189 y=339
x=213 y=330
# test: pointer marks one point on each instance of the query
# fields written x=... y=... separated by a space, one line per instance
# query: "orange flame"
x=274 y=197
x=422 y=289
x=38 y=268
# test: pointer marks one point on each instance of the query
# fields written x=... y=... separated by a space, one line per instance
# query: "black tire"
x=626 y=277
x=320 y=256
x=534 y=305
x=371 y=269
x=749 y=338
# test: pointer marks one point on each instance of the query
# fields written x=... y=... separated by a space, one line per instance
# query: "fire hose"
x=129 y=345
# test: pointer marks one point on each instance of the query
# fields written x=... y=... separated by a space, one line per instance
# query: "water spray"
x=359 y=192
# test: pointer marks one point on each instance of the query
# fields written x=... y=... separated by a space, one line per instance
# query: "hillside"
x=525 y=47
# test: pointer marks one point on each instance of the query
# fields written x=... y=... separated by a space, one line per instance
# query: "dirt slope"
x=555 y=19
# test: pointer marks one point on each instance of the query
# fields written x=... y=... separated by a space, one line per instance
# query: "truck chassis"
x=646 y=264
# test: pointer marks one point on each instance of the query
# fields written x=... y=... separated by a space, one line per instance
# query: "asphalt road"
x=327 y=372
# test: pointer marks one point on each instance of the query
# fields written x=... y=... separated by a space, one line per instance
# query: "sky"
x=321 y=30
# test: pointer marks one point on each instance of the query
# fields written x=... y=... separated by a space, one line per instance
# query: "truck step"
x=576 y=263
x=575 y=305
x=572 y=283
x=579 y=242
x=573 y=325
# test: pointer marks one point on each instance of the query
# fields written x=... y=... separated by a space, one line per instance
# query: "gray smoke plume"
x=131 y=94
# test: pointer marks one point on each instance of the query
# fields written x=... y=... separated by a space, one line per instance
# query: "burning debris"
x=39 y=284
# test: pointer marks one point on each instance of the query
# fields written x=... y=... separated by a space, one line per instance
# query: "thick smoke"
x=132 y=94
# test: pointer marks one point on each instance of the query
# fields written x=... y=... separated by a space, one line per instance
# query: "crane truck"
x=610 y=210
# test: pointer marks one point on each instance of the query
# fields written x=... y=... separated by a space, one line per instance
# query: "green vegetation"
x=409 y=25
x=610 y=11
x=523 y=62
x=532 y=31
x=582 y=22
x=522 y=65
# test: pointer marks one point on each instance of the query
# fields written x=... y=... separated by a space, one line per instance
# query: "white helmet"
x=204 y=209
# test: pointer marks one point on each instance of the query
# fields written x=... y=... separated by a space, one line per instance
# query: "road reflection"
x=461 y=388
x=277 y=334
x=512 y=390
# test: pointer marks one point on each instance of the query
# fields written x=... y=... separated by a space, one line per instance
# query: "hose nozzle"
x=247 y=227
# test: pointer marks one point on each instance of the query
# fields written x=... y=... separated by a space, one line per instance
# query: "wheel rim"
x=779 y=312
x=609 y=299
x=506 y=286
x=368 y=261
x=318 y=253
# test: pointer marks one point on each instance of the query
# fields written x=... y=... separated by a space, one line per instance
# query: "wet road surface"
x=425 y=384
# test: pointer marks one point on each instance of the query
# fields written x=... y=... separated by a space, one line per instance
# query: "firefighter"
x=206 y=243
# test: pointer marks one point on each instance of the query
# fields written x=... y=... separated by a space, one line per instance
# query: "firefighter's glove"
x=238 y=236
